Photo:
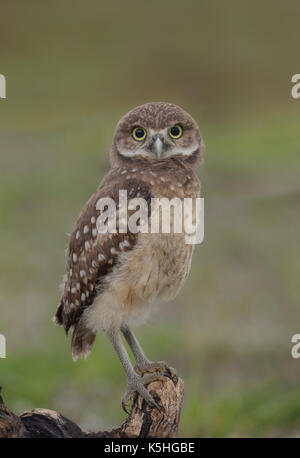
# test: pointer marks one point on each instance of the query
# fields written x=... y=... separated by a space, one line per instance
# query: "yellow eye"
x=176 y=131
x=138 y=134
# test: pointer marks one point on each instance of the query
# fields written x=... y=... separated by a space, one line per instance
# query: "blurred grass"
x=72 y=70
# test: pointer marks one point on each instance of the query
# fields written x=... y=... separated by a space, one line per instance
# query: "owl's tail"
x=58 y=317
x=83 y=340
x=82 y=337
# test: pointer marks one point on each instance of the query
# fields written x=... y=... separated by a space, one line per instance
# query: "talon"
x=124 y=408
x=157 y=406
x=126 y=400
x=138 y=386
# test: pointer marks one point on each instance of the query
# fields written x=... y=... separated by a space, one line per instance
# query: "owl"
x=115 y=280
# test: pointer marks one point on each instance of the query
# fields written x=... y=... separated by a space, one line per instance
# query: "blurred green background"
x=73 y=69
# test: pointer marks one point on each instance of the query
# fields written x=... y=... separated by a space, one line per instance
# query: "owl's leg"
x=143 y=364
x=135 y=382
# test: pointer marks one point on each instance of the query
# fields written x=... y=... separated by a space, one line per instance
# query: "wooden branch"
x=143 y=420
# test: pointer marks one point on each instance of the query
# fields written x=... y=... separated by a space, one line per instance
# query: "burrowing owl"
x=114 y=280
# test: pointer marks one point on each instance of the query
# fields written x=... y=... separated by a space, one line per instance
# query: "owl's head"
x=157 y=131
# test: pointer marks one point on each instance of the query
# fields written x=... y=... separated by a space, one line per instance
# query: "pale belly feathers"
x=152 y=273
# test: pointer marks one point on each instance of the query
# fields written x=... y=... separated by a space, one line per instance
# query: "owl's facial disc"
x=157 y=131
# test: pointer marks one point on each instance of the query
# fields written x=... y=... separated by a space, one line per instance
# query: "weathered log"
x=142 y=421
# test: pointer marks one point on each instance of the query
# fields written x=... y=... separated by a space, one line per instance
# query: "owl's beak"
x=157 y=146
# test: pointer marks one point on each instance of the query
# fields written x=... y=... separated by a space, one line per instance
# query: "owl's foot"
x=137 y=385
x=158 y=366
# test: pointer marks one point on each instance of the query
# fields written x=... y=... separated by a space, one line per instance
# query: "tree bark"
x=143 y=420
